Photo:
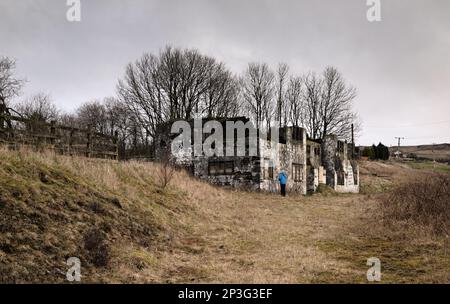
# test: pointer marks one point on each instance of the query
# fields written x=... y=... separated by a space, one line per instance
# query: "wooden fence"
x=16 y=132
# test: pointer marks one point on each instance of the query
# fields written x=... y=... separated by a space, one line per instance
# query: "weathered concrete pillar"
x=329 y=146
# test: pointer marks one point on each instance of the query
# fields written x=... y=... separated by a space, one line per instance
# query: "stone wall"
x=242 y=171
x=245 y=174
x=329 y=146
x=327 y=162
x=313 y=161
x=350 y=180
x=322 y=175
x=342 y=174
x=291 y=158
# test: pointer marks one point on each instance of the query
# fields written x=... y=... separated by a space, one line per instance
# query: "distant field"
x=431 y=166
x=439 y=152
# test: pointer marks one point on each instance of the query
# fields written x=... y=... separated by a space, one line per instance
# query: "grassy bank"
x=125 y=228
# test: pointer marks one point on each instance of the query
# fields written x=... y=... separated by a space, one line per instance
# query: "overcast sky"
x=400 y=66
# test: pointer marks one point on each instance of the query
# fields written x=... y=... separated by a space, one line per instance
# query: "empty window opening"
x=221 y=167
x=340 y=147
x=341 y=178
x=267 y=172
x=297 y=133
x=297 y=172
x=317 y=151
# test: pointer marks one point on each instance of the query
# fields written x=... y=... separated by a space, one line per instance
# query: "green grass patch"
x=401 y=261
x=430 y=166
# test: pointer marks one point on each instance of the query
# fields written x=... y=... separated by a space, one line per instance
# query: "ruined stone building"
x=307 y=163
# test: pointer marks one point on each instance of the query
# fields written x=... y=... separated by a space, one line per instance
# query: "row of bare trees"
x=108 y=116
x=183 y=84
x=320 y=103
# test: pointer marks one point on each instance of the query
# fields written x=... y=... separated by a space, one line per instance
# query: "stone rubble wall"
x=331 y=167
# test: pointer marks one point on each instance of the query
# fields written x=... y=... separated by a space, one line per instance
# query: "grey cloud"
x=400 y=66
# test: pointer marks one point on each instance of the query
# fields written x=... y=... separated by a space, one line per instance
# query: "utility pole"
x=353 y=143
x=434 y=157
x=398 y=146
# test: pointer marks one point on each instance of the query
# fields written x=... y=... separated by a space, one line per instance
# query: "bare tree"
x=295 y=101
x=222 y=93
x=38 y=107
x=177 y=84
x=326 y=105
x=312 y=97
x=258 y=91
x=123 y=123
x=141 y=90
x=113 y=117
x=194 y=78
x=282 y=72
x=10 y=86
x=93 y=115
x=118 y=116
x=69 y=120
x=337 y=115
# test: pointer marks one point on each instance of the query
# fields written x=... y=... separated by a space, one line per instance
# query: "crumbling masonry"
x=307 y=163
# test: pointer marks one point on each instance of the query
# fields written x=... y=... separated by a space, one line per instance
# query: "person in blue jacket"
x=282 y=177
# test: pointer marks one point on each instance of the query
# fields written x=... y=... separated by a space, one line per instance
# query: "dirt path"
x=239 y=237
x=260 y=238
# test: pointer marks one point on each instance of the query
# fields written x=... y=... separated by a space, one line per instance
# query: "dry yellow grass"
x=195 y=232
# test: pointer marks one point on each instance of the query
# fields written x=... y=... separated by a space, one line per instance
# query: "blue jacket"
x=282 y=178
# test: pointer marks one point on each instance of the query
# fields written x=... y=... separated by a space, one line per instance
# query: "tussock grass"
x=423 y=202
x=115 y=216
x=402 y=220
x=126 y=228
x=54 y=207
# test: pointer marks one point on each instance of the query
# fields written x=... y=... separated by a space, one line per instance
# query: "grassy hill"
x=103 y=212
x=125 y=228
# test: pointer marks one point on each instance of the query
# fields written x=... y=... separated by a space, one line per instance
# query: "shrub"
x=376 y=152
x=95 y=242
x=368 y=152
x=424 y=201
x=165 y=172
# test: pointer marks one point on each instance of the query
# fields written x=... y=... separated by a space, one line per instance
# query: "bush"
x=368 y=152
x=95 y=242
x=376 y=152
x=424 y=202
x=165 y=172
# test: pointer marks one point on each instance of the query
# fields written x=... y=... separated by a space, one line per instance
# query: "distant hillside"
x=439 y=152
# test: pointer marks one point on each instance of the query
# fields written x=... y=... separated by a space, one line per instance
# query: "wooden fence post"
x=55 y=136
x=116 y=142
x=89 y=143
x=70 y=141
x=52 y=132
x=2 y=112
